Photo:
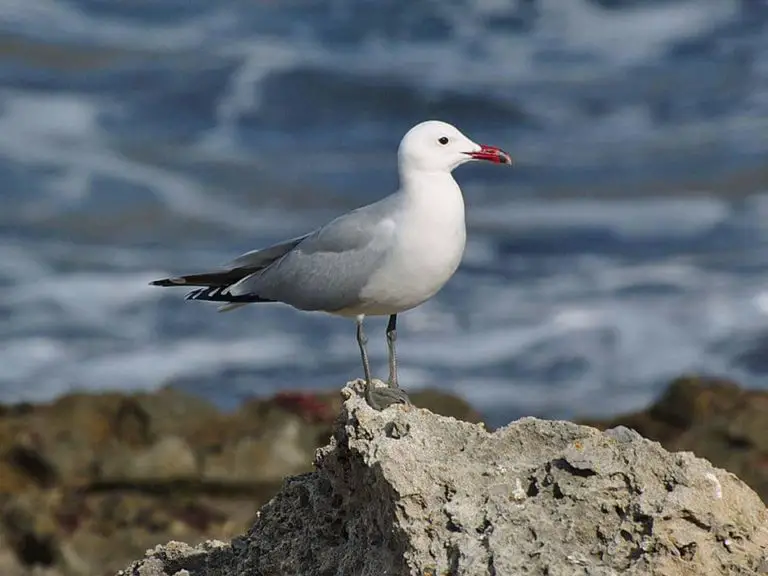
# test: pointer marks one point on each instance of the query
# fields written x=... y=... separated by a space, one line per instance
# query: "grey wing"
x=240 y=268
x=328 y=269
x=264 y=256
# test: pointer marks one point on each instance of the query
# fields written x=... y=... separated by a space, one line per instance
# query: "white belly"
x=429 y=244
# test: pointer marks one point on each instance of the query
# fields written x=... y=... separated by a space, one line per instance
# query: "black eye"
x=443 y=140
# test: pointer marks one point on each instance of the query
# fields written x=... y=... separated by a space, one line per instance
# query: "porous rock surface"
x=90 y=481
x=407 y=492
x=713 y=418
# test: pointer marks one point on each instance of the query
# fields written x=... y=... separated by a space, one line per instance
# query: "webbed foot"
x=380 y=397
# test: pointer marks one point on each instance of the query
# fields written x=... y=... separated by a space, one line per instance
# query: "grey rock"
x=170 y=458
x=407 y=492
x=212 y=558
x=281 y=451
x=623 y=434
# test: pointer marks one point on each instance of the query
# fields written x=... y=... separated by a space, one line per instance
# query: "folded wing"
x=324 y=270
x=236 y=270
x=329 y=268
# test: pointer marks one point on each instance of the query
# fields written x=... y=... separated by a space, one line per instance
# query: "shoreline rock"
x=715 y=419
x=90 y=481
x=405 y=491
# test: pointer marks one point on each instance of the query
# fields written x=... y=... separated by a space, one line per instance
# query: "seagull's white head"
x=435 y=146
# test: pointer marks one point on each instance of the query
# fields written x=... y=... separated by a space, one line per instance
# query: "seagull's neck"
x=431 y=230
x=429 y=186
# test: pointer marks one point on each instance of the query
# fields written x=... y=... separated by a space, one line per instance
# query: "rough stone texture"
x=713 y=418
x=407 y=492
x=211 y=558
x=90 y=481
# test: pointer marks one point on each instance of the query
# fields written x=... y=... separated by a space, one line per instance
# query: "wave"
x=139 y=141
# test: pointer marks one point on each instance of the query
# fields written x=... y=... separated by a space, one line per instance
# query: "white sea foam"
x=82 y=316
x=91 y=298
x=630 y=35
x=64 y=135
x=50 y=367
x=55 y=20
x=502 y=353
x=17 y=262
x=633 y=218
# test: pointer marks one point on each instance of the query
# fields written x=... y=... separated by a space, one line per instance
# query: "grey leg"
x=362 y=341
x=377 y=398
x=391 y=338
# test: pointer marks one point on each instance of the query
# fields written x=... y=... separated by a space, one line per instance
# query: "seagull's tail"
x=214 y=288
x=225 y=278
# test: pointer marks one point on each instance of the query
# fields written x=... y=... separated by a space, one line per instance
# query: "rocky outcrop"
x=91 y=481
x=407 y=492
x=713 y=418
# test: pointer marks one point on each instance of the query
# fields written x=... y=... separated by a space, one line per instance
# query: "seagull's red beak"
x=492 y=154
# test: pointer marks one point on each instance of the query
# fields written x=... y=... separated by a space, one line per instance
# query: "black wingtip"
x=220 y=294
x=196 y=293
x=168 y=282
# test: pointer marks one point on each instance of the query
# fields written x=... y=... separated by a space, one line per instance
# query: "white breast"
x=428 y=245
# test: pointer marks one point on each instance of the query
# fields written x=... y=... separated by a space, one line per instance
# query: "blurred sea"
x=145 y=138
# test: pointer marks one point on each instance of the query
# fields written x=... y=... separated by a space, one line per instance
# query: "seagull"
x=378 y=260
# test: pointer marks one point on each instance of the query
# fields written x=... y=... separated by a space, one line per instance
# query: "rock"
x=170 y=458
x=89 y=481
x=179 y=559
x=715 y=419
x=407 y=492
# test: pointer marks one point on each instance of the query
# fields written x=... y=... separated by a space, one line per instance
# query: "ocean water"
x=629 y=244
